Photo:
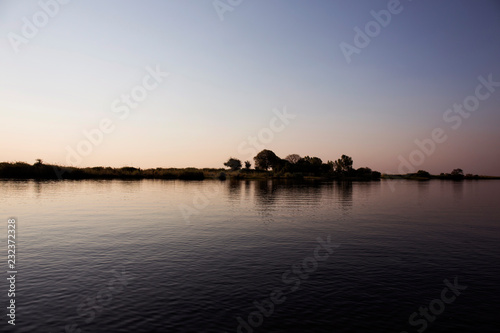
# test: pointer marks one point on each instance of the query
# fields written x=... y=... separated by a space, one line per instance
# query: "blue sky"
x=227 y=76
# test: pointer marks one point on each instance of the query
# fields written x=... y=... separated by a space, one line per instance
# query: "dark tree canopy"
x=423 y=173
x=266 y=159
x=309 y=164
x=457 y=173
x=293 y=158
x=295 y=166
x=248 y=164
x=233 y=163
x=343 y=164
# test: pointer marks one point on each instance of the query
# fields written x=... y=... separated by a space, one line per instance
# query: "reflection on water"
x=458 y=191
x=344 y=192
x=396 y=249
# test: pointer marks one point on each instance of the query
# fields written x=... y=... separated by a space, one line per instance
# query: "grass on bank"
x=22 y=170
x=447 y=176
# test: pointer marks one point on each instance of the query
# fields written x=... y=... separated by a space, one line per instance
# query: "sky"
x=397 y=85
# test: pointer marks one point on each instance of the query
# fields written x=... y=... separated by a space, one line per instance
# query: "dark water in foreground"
x=174 y=256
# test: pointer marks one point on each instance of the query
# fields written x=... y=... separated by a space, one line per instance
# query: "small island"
x=456 y=174
x=267 y=166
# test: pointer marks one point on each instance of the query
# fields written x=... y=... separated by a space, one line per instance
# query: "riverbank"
x=39 y=171
x=21 y=170
x=412 y=176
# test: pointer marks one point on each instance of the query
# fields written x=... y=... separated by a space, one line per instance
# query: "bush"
x=191 y=175
x=422 y=173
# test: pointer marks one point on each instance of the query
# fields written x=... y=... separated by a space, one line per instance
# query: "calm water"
x=174 y=256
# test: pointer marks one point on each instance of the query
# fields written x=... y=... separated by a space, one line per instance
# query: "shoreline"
x=25 y=171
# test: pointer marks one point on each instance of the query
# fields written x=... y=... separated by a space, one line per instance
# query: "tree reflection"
x=423 y=191
x=344 y=194
x=265 y=198
x=286 y=198
x=458 y=190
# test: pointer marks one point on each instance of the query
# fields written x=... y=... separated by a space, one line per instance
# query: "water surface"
x=176 y=256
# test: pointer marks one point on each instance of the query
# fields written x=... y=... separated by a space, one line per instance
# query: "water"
x=175 y=256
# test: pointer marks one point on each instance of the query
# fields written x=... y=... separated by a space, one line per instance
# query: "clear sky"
x=67 y=68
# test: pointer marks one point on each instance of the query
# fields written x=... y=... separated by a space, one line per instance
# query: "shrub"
x=191 y=175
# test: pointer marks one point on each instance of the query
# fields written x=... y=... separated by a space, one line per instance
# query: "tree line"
x=295 y=165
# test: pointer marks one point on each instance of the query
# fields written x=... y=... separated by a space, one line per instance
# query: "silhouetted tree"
x=367 y=173
x=293 y=158
x=343 y=165
x=364 y=172
x=309 y=164
x=316 y=163
x=457 y=173
x=248 y=164
x=423 y=173
x=266 y=159
x=39 y=162
x=327 y=167
x=233 y=163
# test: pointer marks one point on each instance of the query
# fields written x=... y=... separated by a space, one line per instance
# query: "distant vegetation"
x=20 y=170
x=297 y=167
x=455 y=174
x=267 y=165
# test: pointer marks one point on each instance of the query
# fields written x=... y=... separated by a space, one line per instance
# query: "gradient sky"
x=227 y=77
